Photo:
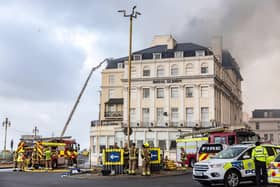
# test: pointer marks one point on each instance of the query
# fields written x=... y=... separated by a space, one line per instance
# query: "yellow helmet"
x=146 y=144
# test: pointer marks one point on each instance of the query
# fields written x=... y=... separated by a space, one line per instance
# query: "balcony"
x=115 y=114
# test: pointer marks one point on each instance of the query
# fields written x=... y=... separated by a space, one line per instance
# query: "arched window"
x=146 y=71
x=204 y=68
x=174 y=70
x=160 y=71
x=189 y=68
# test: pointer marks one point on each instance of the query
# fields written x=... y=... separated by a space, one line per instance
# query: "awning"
x=114 y=101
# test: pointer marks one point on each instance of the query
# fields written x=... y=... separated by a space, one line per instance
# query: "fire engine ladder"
x=80 y=95
x=204 y=132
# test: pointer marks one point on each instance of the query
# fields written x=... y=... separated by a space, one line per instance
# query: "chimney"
x=164 y=40
x=217 y=47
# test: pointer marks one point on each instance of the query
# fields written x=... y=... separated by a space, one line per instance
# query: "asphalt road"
x=22 y=179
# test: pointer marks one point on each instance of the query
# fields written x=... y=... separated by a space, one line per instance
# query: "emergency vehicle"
x=230 y=166
x=273 y=171
x=191 y=147
x=64 y=151
x=208 y=150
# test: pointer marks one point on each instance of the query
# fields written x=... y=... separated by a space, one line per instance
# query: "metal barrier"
x=113 y=161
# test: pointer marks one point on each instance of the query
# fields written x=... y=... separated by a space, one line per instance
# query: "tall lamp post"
x=6 y=123
x=132 y=15
x=35 y=131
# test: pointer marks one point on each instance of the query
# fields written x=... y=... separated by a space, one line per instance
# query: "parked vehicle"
x=230 y=166
x=208 y=150
x=273 y=171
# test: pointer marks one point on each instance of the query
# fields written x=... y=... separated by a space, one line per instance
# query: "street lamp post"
x=133 y=14
x=6 y=123
x=35 y=131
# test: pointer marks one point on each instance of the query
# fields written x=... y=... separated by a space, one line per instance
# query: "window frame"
x=146 y=95
x=138 y=56
x=158 y=96
x=189 y=68
x=156 y=55
x=146 y=71
x=189 y=88
x=160 y=69
x=174 y=70
x=179 y=54
x=204 y=68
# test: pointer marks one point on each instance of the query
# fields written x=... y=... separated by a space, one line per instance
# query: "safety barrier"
x=113 y=161
x=155 y=159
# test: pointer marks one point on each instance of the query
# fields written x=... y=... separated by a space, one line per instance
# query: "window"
x=204 y=114
x=146 y=93
x=160 y=121
x=179 y=54
x=200 y=53
x=160 y=71
x=270 y=151
x=204 y=91
x=162 y=144
x=137 y=57
x=174 y=116
x=174 y=92
x=189 y=116
x=145 y=116
x=111 y=79
x=111 y=108
x=120 y=65
x=189 y=91
x=189 y=68
x=257 y=126
x=271 y=137
x=204 y=68
x=231 y=140
x=111 y=93
x=265 y=136
x=160 y=92
x=146 y=71
x=157 y=55
x=174 y=70
x=172 y=144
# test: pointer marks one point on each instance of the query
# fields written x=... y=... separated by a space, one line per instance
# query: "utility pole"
x=6 y=123
x=35 y=131
x=132 y=15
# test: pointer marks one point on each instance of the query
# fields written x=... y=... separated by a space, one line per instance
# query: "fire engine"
x=192 y=141
x=64 y=151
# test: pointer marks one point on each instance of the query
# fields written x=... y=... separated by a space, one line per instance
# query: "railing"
x=177 y=124
x=116 y=114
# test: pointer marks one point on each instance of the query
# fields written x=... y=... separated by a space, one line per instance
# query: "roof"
x=115 y=101
x=266 y=113
x=228 y=62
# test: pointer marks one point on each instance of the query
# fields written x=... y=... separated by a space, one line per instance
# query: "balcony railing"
x=178 y=124
x=115 y=114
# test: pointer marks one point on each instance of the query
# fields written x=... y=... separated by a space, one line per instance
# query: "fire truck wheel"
x=192 y=162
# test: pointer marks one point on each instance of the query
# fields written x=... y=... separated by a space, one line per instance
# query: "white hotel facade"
x=175 y=88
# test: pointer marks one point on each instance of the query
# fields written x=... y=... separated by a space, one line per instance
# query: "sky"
x=47 y=49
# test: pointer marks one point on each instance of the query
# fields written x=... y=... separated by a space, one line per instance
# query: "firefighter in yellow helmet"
x=21 y=160
x=146 y=158
x=133 y=152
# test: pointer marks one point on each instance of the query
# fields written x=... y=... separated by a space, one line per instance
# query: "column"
x=182 y=104
x=138 y=105
x=152 y=105
x=197 y=104
x=167 y=104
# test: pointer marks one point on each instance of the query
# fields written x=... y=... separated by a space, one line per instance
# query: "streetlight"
x=6 y=123
x=132 y=15
x=35 y=131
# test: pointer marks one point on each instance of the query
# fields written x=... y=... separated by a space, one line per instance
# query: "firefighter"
x=183 y=157
x=132 y=159
x=21 y=160
x=116 y=146
x=126 y=158
x=259 y=154
x=48 y=158
x=15 y=157
x=146 y=157
x=34 y=157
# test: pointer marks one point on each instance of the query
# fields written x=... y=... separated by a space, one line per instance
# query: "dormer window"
x=157 y=55
x=120 y=65
x=179 y=54
x=200 y=53
x=137 y=57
